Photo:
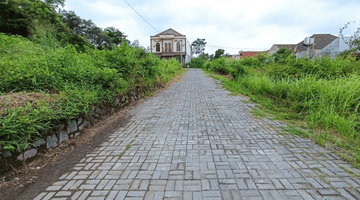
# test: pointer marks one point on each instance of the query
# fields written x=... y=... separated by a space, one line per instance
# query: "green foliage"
x=16 y=16
x=219 y=53
x=56 y=3
x=322 y=67
x=115 y=36
x=31 y=18
x=75 y=81
x=199 y=61
x=221 y=65
x=98 y=37
x=281 y=55
x=324 y=92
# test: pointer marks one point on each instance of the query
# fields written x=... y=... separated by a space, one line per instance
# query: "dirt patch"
x=21 y=99
x=37 y=174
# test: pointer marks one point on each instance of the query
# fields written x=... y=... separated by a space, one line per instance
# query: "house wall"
x=343 y=46
x=273 y=50
x=185 y=49
x=308 y=54
x=301 y=54
x=334 y=49
x=331 y=50
x=169 y=40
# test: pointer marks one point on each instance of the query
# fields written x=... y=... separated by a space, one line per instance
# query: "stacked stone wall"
x=76 y=126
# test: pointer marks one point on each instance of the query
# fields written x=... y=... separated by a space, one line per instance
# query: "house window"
x=157 y=47
x=178 y=46
x=166 y=47
x=170 y=50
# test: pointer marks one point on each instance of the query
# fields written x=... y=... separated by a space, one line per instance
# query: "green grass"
x=317 y=99
x=258 y=113
x=75 y=82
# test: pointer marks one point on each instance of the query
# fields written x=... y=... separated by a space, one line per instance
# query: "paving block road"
x=196 y=141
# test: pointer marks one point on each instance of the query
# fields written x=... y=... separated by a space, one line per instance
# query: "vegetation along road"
x=195 y=141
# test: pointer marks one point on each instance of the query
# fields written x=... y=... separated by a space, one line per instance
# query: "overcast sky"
x=233 y=25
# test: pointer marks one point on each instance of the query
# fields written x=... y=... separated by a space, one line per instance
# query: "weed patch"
x=42 y=85
x=322 y=96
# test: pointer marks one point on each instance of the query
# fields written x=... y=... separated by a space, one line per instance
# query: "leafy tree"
x=116 y=36
x=199 y=46
x=204 y=56
x=219 y=53
x=39 y=20
x=56 y=3
x=281 y=55
x=16 y=16
x=100 y=38
x=12 y=19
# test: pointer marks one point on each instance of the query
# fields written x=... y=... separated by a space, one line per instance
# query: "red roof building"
x=244 y=54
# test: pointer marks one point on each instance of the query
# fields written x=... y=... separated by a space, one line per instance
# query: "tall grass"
x=324 y=92
x=74 y=81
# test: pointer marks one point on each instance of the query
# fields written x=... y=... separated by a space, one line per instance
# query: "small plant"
x=258 y=113
x=317 y=168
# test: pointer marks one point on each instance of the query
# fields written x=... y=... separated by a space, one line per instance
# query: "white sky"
x=233 y=25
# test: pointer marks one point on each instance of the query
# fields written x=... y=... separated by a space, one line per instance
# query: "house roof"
x=169 y=31
x=289 y=46
x=320 y=41
x=244 y=54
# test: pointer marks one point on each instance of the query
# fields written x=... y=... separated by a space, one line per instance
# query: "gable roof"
x=320 y=41
x=289 y=46
x=169 y=31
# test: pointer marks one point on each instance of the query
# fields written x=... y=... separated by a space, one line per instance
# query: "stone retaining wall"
x=76 y=126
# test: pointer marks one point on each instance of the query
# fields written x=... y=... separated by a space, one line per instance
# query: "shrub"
x=326 y=92
x=74 y=81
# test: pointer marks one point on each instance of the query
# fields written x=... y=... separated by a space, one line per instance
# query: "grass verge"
x=297 y=123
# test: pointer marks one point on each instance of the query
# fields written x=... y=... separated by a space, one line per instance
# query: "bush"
x=198 y=62
x=281 y=55
x=325 y=91
x=73 y=81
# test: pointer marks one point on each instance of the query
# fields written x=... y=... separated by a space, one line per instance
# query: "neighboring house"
x=236 y=57
x=170 y=44
x=244 y=54
x=319 y=45
x=276 y=48
x=232 y=56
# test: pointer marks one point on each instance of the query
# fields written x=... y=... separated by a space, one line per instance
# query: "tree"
x=56 y=3
x=219 y=53
x=115 y=36
x=199 y=46
x=354 y=40
x=16 y=16
x=100 y=38
x=81 y=28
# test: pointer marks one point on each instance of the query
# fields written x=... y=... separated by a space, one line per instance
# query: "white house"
x=171 y=44
x=319 y=45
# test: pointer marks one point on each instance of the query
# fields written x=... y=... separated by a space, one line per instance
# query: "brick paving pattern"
x=195 y=141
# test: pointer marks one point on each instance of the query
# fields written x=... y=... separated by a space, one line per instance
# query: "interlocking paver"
x=195 y=141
